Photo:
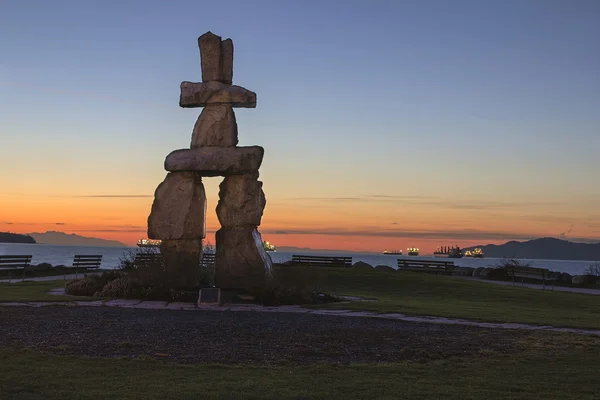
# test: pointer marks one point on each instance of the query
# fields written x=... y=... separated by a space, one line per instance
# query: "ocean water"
x=56 y=255
x=63 y=255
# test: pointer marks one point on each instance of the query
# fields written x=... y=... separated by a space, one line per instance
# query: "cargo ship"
x=476 y=253
x=148 y=243
x=269 y=247
x=392 y=252
x=412 y=251
x=448 y=252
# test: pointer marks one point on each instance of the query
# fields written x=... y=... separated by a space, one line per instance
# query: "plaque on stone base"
x=209 y=296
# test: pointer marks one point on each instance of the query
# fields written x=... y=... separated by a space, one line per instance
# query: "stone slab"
x=179 y=208
x=121 y=303
x=216 y=126
x=211 y=59
x=182 y=262
x=241 y=262
x=227 y=61
x=209 y=296
x=152 y=305
x=202 y=94
x=241 y=201
x=216 y=161
x=181 y=306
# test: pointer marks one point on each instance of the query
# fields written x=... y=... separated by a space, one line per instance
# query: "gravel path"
x=241 y=337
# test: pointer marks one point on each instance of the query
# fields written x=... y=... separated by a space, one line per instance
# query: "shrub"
x=91 y=284
x=124 y=288
x=593 y=269
x=294 y=285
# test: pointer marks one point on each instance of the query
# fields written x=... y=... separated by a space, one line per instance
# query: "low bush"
x=593 y=269
x=124 y=288
x=91 y=284
x=294 y=285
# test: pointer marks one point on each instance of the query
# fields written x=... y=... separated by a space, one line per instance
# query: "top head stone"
x=211 y=57
x=216 y=58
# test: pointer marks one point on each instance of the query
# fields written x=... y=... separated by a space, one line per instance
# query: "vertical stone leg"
x=182 y=262
x=241 y=261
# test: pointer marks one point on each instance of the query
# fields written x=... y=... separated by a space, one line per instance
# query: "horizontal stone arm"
x=201 y=94
x=216 y=161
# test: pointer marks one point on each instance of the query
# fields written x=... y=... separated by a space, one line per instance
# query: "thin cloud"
x=113 y=230
x=127 y=226
x=59 y=223
x=466 y=204
x=116 y=196
x=466 y=234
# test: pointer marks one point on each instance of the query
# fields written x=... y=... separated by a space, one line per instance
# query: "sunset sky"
x=386 y=124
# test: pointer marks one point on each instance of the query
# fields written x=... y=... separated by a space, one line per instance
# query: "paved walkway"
x=536 y=286
x=163 y=305
x=47 y=278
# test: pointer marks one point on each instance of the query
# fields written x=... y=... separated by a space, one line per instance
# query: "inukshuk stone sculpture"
x=178 y=215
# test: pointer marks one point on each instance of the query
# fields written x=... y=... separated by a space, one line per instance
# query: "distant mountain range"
x=54 y=237
x=7 y=237
x=544 y=248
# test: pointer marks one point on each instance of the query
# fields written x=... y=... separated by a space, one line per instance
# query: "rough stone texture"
x=241 y=201
x=201 y=94
x=211 y=59
x=216 y=126
x=216 y=161
x=179 y=208
x=182 y=261
x=241 y=261
x=477 y=271
x=227 y=61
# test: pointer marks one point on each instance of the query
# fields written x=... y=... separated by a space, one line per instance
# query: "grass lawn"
x=34 y=291
x=35 y=273
x=552 y=367
x=416 y=293
x=413 y=294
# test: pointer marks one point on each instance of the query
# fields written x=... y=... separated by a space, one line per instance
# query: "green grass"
x=34 y=291
x=36 y=273
x=552 y=367
x=415 y=293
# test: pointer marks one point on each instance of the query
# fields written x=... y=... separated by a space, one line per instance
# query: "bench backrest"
x=147 y=259
x=14 y=262
x=425 y=264
x=87 y=261
x=527 y=272
x=322 y=261
x=207 y=260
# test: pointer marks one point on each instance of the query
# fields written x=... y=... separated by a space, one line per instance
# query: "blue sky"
x=397 y=98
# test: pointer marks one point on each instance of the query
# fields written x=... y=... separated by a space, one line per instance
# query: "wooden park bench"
x=322 y=261
x=147 y=260
x=541 y=274
x=207 y=260
x=85 y=263
x=14 y=263
x=445 y=267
